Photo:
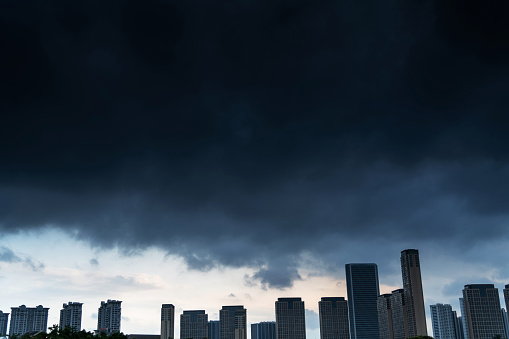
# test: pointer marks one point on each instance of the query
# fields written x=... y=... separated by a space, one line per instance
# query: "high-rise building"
x=333 y=312
x=167 y=321
x=444 y=321
x=28 y=319
x=109 y=316
x=385 y=316
x=458 y=327
x=398 y=311
x=70 y=316
x=290 y=318
x=483 y=312
x=263 y=330
x=194 y=325
x=362 y=288
x=464 y=323
x=506 y=323
x=414 y=298
x=4 y=319
x=232 y=322
x=214 y=329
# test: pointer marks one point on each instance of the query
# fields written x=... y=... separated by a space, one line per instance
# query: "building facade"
x=290 y=318
x=28 y=319
x=464 y=323
x=385 y=316
x=505 y=320
x=263 y=330
x=458 y=326
x=398 y=311
x=167 y=321
x=414 y=297
x=482 y=311
x=70 y=315
x=333 y=313
x=213 y=329
x=444 y=321
x=109 y=316
x=363 y=292
x=233 y=322
x=4 y=319
x=194 y=325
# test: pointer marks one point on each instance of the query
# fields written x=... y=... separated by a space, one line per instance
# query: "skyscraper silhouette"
x=333 y=312
x=194 y=325
x=167 y=321
x=4 y=318
x=232 y=322
x=27 y=319
x=385 y=316
x=263 y=330
x=483 y=312
x=70 y=315
x=214 y=329
x=443 y=319
x=109 y=316
x=290 y=319
x=414 y=298
x=398 y=311
x=363 y=291
x=464 y=323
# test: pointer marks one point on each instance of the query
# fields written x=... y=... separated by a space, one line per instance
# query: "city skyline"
x=311 y=312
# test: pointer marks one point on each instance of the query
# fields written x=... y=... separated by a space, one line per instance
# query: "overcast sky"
x=206 y=153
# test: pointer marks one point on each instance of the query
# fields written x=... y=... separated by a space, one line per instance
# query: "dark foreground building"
x=290 y=319
x=363 y=291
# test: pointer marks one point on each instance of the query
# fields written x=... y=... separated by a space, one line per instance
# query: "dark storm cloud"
x=246 y=133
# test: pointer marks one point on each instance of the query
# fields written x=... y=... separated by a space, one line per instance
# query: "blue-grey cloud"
x=35 y=265
x=7 y=255
x=251 y=134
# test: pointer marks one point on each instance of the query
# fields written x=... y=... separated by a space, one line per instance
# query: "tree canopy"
x=69 y=333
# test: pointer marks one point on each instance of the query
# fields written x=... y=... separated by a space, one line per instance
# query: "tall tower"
x=290 y=318
x=27 y=319
x=414 y=298
x=70 y=316
x=263 y=330
x=398 y=311
x=444 y=321
x=232 y=322
x=385 y=316
x=363 y=291
x=483 y=313
x=333 y=312
x=4 y=318
x=109 y=316
x=194 y=325
x=167 y=321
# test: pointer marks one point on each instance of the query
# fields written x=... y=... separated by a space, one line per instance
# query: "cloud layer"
x=248 y=133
